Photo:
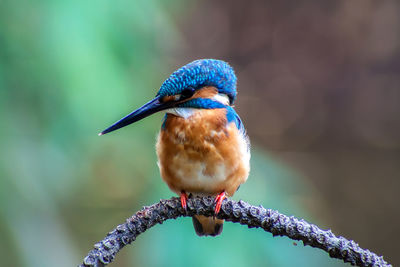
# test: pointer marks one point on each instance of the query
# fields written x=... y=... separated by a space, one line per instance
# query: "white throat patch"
x=221 y=98
x=182 y=112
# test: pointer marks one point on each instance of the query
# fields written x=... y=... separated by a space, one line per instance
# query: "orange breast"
x=202 y=154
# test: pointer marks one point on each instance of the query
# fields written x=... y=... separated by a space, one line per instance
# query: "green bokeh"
x=67 y=70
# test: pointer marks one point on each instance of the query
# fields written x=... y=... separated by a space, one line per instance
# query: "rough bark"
x=241 y=212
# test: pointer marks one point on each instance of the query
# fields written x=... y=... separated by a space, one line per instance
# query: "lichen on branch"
x=241 y=212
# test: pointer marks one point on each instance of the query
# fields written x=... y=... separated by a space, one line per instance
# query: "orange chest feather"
x=202 y=154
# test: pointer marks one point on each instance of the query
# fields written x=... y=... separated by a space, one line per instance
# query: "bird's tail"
x=207 y=225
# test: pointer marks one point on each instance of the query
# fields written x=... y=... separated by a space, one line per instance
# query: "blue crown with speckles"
x=199 y=73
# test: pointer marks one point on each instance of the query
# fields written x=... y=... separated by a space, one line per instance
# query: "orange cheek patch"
x=168 y=98
x=206 y=92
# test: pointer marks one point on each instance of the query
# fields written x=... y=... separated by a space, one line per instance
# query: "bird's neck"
x=184 y=113
x=196 y=121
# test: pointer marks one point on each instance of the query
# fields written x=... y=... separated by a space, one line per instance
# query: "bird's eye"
x=187 y=92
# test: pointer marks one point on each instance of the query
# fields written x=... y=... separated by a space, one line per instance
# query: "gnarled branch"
x=270 y=220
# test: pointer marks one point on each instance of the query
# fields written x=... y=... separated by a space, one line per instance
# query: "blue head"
x=182 y=90
x=200 y=73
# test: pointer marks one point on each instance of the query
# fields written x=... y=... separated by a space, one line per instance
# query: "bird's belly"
x=195 y=176
x=203 y=162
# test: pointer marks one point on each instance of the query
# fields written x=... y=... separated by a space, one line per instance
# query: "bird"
x=202 y=147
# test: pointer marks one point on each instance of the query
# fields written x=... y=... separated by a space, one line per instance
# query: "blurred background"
x=318 y=92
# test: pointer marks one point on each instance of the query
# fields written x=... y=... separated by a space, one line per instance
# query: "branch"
x=241 y=212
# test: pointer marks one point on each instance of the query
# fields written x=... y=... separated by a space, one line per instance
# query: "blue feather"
x=199 y=73
x=232 y=116
x=204 y=103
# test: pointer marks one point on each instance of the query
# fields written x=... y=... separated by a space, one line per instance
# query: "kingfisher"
x=202 y=147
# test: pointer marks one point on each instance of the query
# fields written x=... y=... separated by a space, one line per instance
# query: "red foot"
x=184 y=197
x=219 y=200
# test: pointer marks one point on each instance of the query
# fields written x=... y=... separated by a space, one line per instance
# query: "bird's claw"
x=219 y=200
x=184 y=198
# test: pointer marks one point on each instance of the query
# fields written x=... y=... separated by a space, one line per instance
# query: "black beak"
x=147 y=109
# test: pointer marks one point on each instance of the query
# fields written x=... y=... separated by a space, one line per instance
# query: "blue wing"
x=232 y=116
